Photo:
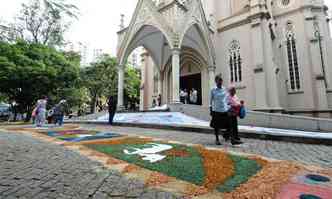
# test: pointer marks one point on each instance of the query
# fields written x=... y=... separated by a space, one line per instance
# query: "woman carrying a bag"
x=236 y=107
x=219 y=108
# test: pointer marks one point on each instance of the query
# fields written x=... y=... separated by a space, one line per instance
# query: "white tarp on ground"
x=175 y=118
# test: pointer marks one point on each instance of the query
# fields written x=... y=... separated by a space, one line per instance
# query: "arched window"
x=293 y=66
x=235 y=61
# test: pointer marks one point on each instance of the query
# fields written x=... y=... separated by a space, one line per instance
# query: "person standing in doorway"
x=186 y=96
x=182 y=97
x=112 y=103
x=159 y=100
x=194 y=96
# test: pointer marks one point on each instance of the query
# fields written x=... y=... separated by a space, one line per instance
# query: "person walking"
x=235 y=107
x=219 y=109
x=112 y=103
x=41 y=111
x=59 y=112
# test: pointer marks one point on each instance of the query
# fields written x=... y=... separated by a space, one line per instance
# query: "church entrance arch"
x=177 y=37
x=193 y=72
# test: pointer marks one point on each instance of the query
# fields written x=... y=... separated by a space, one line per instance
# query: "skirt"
x=220 y=120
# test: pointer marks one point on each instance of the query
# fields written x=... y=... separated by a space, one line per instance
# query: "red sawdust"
x=293 y=190
x=177 y=153
x=130 y=168
x=267 y=183
x=156 y=179
x=218 y=167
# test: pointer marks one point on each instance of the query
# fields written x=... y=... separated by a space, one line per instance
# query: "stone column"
x=270 y=69
x=212 y=75
x=120 y=87
x=176 y=75
x=260 y=90
x=160 y=85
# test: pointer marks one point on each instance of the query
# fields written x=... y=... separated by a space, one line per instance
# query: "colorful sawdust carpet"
x=80 y=135
x=234 y=176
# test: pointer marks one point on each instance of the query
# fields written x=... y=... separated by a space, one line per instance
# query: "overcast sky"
x=98 y=23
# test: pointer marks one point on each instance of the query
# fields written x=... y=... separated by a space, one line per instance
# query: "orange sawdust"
x=97 y=154
x=267 y=183
x=127 y=140
x=177 y=153
x=193 y=190
x=21 y=129
x=156 y=179
x=262 y=162
x=113 y=161
x=130 y=168
x=218 y=167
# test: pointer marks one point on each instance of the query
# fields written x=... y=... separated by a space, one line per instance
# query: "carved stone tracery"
x=173 y=19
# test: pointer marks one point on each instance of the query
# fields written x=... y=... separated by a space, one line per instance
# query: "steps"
x=268 y=120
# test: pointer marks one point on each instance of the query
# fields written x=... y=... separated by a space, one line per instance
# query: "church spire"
x=122 y=26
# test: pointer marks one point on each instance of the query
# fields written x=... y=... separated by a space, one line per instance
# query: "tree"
x=100 y=78
x=132 y=85
x=41 y=21
x=28 y=71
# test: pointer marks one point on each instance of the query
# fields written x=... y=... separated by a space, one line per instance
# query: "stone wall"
x=260 y=119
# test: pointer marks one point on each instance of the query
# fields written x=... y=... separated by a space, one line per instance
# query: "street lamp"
x=319 y=37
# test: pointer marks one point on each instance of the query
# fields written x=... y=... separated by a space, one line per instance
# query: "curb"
x=204 y=130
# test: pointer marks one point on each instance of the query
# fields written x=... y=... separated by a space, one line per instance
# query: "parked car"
x=4 y=112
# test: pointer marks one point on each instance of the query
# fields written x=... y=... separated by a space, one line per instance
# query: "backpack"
x=243 y=112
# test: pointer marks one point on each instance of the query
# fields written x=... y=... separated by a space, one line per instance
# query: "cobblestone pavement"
x=318 y=155
x=30 y=168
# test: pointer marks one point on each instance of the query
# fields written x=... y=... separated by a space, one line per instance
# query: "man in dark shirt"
x=112 y=103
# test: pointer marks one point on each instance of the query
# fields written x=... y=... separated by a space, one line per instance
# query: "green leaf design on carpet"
x=189 y=168
x=244 y=169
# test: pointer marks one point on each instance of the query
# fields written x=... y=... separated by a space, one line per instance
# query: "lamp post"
x=319 y=37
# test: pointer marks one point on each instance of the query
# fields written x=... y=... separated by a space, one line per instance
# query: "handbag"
x=243 y=112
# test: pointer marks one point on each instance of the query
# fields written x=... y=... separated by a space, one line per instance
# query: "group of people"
x=225 y=108
x=189 y=98
x=55 y=115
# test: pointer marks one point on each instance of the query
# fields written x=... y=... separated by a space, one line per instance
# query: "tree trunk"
x=94 y=104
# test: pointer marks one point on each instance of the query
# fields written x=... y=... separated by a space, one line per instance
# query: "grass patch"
x=244 y=169
x=188 y=168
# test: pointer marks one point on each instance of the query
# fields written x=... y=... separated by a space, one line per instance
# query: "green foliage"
x=40 y=21
x=244 y=169
x=185 y=168
x=132 y=85
x=100 y=79
x=28 y=71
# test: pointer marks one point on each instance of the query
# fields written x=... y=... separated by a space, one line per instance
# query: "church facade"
x=277 y=53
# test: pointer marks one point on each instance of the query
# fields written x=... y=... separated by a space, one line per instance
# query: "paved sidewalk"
x=319 y=155
x=30 y=168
